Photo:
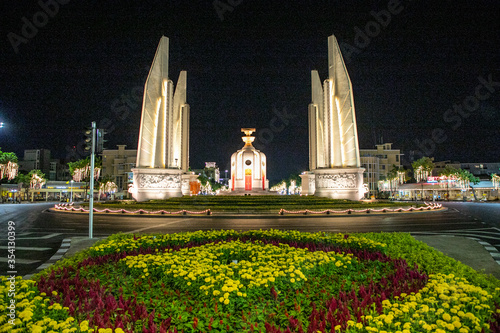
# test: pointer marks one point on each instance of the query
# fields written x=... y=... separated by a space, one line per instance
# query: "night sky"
x=427 y=78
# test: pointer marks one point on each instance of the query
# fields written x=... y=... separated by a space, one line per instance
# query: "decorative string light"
x=429 y=206
x=36 y=182
x=81 y=174
x=69 y=207
x=10 y=170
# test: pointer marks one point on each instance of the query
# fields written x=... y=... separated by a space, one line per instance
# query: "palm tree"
x=422 y=168
x=461 y=177
x=397 y=175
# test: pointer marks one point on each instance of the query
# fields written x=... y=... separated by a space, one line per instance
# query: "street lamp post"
x=71 y=200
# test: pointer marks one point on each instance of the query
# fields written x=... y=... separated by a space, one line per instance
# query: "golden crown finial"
x=248 y=139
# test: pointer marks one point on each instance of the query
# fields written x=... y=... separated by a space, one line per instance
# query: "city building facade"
x=35 y=159
x=481 y=170
x=377 y=163
x=118 y=164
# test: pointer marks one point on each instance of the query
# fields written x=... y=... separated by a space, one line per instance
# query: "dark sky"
x=249 y=64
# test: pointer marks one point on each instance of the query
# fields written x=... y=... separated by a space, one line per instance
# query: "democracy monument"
x=162 y=167
x=334 y=161
x=163 y=151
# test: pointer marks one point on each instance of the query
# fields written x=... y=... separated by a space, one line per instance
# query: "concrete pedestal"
x=308 y=183
x=340 y=183
x=156 y=184
x=187 y=178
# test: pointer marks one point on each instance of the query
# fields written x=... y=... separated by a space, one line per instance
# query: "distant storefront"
x=435 y=190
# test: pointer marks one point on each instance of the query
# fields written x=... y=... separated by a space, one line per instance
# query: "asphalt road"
x=40 y=233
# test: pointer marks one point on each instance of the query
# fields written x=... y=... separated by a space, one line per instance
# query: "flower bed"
x=254 y=281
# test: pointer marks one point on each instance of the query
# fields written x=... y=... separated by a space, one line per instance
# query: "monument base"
x=308 y=183
x=340 y=183
x=156 y=184
x=187 y=179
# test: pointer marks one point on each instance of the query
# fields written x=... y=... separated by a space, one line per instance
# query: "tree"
x=461 y=176
x=24 y=180
x=37 y=179
x=107 y=185
x=422 y=168
x=80 y=171
x=395 y=176
x=495 y=179
x=8 y=165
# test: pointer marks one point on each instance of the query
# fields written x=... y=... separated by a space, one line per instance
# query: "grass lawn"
x=256 y=204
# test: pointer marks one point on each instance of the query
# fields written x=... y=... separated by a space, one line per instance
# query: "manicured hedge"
x=263 y=203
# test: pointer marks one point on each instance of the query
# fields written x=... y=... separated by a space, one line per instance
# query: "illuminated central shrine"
x=334 y=161
x=248 y=168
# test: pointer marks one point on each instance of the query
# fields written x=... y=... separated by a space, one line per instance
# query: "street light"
x=71 y=190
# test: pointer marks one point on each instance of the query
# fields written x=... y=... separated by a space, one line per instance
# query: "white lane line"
x=20 y=261
x=477 y=232
x=24 y=248
x=50 y=229
x=156 y=226
x=42 y=237
x=24 y=234
x=442 y=233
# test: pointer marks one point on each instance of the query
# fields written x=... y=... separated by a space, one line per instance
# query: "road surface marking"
x=23 y=248
x=42 y=237
x=156 y=226
x=20 y=261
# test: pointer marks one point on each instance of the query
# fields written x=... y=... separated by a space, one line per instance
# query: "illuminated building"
x=118 y=164
x=377 y=164
x=248 y=168
x=334 y=159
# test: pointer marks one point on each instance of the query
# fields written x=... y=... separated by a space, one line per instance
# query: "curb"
x=495 y=254
x=248 y=215
x=65 y=245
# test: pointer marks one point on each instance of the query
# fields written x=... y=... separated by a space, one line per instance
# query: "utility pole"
x=92 y=165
